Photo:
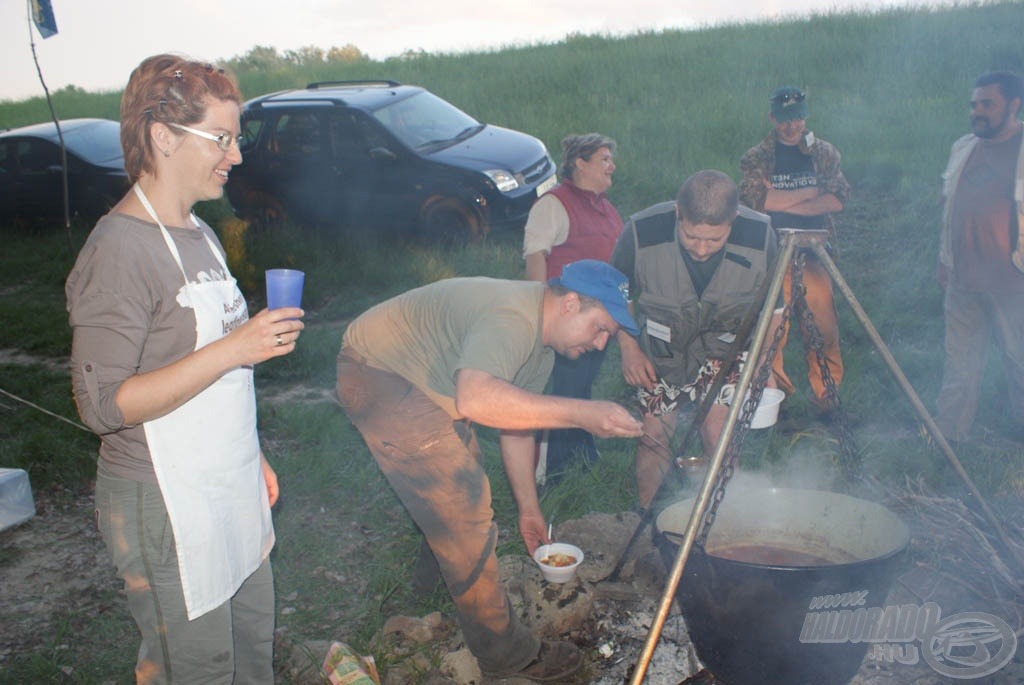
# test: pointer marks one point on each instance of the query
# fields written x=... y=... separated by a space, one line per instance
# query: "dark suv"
x=386 y=156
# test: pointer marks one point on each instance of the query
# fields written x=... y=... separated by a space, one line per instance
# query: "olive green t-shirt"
x=426 y=335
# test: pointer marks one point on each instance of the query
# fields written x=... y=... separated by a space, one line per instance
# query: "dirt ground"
x=56 y=560
x=54 y=567
x=53 y=561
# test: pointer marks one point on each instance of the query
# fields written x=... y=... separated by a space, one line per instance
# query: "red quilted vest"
x=594 y=227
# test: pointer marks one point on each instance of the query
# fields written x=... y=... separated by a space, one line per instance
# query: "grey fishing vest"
x=702 y=327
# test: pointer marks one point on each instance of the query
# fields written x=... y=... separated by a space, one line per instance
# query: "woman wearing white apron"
x=162 y=361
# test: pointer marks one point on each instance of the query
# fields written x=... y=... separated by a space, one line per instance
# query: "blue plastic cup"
x=284 y=288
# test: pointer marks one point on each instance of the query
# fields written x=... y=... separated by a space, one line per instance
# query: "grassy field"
x=889 y=89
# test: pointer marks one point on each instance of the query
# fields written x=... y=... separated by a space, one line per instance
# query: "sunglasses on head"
x=789 y=98
x=178 y=74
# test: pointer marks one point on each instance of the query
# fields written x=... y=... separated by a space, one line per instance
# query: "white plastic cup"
x=767 y=413
x=558 y=574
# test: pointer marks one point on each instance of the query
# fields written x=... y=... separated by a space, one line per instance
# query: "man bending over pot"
x=415 y=372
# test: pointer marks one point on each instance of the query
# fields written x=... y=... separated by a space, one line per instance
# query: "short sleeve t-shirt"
x=426 y=335
x=546 y=226
x=983 y=219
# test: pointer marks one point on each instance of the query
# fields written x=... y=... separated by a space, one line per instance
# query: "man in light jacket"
x=981 y=253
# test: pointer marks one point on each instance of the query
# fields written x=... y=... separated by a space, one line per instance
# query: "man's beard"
x=986 y=130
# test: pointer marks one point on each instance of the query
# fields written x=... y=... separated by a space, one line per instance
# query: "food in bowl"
x=559 y=560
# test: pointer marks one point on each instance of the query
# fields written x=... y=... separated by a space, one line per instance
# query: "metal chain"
x=849 y=455
x=739 y=434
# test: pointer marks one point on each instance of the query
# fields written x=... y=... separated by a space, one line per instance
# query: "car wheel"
x=447 y=220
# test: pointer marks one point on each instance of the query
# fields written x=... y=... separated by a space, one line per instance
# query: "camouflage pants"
x=818 y=285
x=433 y=464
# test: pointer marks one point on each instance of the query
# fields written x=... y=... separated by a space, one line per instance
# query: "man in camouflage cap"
x=795 y=178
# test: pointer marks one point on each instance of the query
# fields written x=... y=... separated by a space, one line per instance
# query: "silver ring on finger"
x=279 y=340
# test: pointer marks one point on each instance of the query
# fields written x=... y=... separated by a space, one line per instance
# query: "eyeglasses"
x=789 y=98
x=224 y=140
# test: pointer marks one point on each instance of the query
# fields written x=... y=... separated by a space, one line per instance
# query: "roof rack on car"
x=332 y=102
x=377 y=82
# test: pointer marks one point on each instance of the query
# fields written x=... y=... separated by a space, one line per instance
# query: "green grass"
x=53 y=452
x=889 y=89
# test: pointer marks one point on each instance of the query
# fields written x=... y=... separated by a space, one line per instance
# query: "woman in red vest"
x=572 y=221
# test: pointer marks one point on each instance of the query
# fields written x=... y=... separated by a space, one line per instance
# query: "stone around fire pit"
x=608 y=621
x=603 y=538
x=550 y=609
x=553 y=609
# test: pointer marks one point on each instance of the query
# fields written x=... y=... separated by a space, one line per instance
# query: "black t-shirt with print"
x=794 y=171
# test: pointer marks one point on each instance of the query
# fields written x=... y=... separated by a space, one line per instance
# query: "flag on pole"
x=42 y=15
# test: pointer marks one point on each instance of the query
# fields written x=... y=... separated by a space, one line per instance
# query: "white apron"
x=207 y=459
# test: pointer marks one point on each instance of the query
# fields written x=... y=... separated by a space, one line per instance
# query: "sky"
x=99 y=42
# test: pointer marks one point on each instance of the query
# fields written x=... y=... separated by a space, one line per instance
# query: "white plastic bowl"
x=767 y=413
x=558 y=574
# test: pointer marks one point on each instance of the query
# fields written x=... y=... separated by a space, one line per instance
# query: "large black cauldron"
x=790 y=550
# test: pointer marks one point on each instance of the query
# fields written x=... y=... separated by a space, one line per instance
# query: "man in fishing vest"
x=694 y=267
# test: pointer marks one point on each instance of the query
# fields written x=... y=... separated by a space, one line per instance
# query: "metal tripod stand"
x=724 y=458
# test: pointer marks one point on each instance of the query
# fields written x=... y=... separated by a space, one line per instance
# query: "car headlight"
x=504 y=180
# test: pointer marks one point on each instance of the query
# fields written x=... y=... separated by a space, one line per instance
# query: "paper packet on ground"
x=342 y=666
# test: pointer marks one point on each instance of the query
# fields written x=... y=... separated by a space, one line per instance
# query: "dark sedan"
x=31 y=185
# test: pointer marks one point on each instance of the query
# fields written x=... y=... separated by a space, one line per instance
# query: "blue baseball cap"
x=604 y=283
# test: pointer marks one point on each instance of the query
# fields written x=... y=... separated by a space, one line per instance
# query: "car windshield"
x=426 y=122
x=99 y=143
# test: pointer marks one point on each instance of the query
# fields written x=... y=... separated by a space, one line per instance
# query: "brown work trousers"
x=433 y=464
x=818 y=288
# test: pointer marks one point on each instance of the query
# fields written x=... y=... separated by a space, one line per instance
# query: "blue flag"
x=42 y=15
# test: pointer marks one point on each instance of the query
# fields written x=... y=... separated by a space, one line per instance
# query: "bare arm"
x=517 y=457
x=637 y=369
x=537 y=267
x=491 y=401
x=273 y=489
x=155 y=393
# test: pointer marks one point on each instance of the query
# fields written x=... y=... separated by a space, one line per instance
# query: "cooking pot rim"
x=896 y=529
x=802 y=568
